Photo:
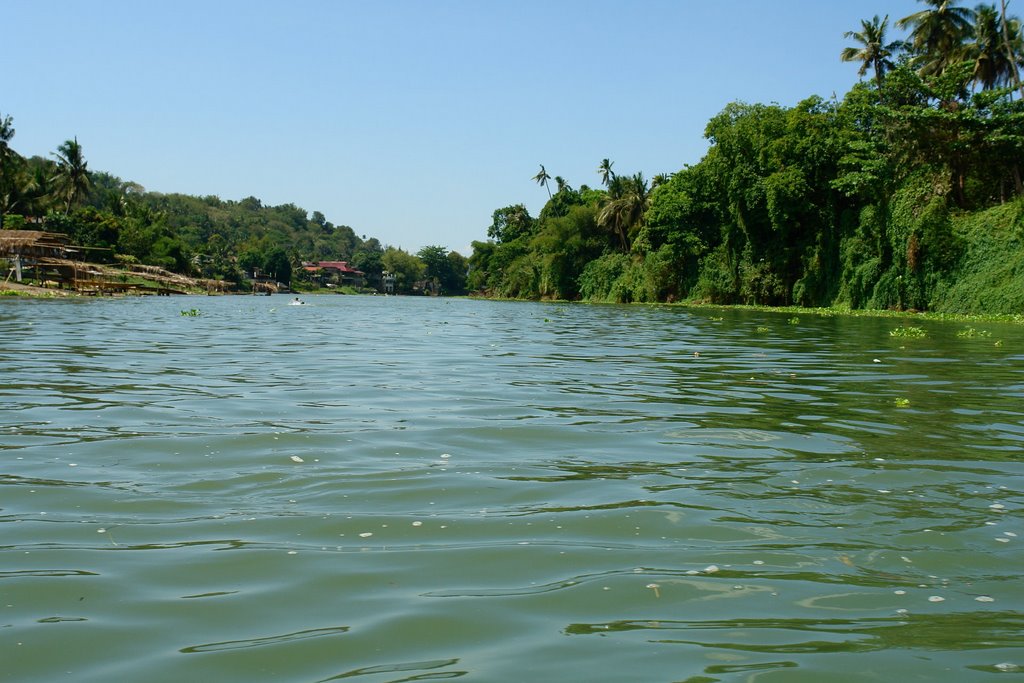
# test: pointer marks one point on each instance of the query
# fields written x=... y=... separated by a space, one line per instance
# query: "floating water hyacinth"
x=971 y=333
x=902 y=402
x=907 y=331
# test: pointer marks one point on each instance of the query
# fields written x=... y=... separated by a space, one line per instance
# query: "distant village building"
x=387 y=279
x=265 y=283
x=336 y=273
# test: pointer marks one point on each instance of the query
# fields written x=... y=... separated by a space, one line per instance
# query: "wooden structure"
x=47 y=252
x=51 y=258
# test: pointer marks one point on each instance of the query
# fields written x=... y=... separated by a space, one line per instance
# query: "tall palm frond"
x=72 y=178
x=622 y=211
x=993 y=66
x=1013 y=43
x=937 y=34
x=873 y=52
x=606 y=172
x=542 y=179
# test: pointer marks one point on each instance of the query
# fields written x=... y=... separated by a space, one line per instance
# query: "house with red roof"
x=335 y=273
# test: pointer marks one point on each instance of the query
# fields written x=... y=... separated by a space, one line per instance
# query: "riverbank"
x=821 y=312
x=1013 y=318
x=18 y=289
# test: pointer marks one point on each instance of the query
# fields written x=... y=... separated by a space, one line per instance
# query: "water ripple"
x=265 y=641
x=465 y=484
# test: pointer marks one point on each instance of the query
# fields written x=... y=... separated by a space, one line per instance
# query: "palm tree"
x=542 y=179
x=622 y=211
x=561 y=184
x=1014 y=44
x=873 y=52
x=993 y=66
x=607 y=174
x=12 y=172
x=72 y=176
x=6 y=172
x=6 y=133
x=36 y=194
x=937 y=34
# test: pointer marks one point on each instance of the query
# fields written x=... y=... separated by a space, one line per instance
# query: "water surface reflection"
x=410 y=489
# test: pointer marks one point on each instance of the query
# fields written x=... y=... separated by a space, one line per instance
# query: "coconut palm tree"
x=27 y=189
x=1013 y=42
x=937 y=34
x=6 y=172
x=873 y=52
x=11 y=170
x=6 y=133
x=993 y=65
x=72 y=178
x=622 y=211
x=661 y=179
x=542 y=179
x=606 y=172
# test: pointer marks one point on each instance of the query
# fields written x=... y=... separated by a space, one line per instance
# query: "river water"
x=405 y=489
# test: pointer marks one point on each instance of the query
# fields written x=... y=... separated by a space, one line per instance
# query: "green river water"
x=407 y=489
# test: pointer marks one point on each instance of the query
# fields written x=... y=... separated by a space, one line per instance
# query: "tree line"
x=906 y=193
x=204 y=237
x=872 y=201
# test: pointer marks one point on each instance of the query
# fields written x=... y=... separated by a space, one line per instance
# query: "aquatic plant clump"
x=908 y=331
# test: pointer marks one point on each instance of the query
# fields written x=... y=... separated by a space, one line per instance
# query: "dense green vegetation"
x=204 y=237
x=906 y=194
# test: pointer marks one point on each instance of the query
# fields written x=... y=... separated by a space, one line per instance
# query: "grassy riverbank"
x=829 y=312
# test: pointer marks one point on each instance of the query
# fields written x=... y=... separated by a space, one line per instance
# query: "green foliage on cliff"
x=908 y=198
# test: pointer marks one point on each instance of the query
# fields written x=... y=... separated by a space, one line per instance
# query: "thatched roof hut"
x=34 y=244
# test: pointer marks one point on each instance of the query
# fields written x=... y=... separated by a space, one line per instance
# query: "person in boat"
x=297 y=302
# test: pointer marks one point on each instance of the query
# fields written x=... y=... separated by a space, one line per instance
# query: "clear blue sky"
x=409 y=120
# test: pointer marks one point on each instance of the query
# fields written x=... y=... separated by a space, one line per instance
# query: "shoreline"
x=823 y=312
x=13 y=289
